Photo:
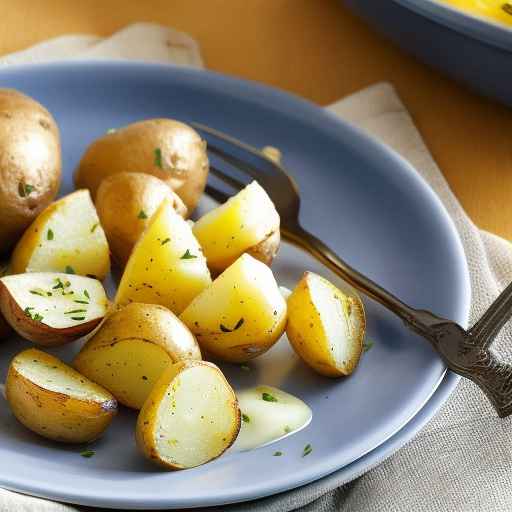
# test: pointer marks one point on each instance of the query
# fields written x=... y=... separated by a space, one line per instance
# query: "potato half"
x=325 y=326
x=51 y=309
x=30 y=163
x=66 y=237
x=241 y=315
x=166 y=266
x=55 y=401
x=191 y=416
x=247 y=222
x=167 y=149
x=125 y=203
x=132 y=348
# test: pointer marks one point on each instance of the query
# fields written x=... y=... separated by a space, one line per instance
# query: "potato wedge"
x=65 y=237
x=166 y=266
x=165 y=148
x=247 y=222
x=125 y=204
x=191 y=416
x=55 y=401
x=132 y=349
x=325 y=326
x=241 y=315
x=30 y=164
x=50 y=308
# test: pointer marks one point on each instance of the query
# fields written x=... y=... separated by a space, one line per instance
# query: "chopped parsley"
x=49 y=235
x=307 y=450
x=78 y=318
x=38 y=292
x=368 y=345
x=278 y=454
x=87 y=454
x=158 y=158
x=73 y=311
x=86 y=293
x=111 y=130
x=24 y=189
x=94 y=226
x=142 y=215
x=33 y=316
x=69 y=270
x=78 y=301
x=268 y=397
x=239 y=324
x=287 y=429
x=166 y=241
x=245 y=368
x=188 y=255
x=246 y=418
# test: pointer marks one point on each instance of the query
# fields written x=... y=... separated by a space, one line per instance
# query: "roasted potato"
x=125 y=202
x=246 y=222
x=241 y=315
x=167 y=149
x=269 y=414
x=326 y=326
x=166 y=266
x=132 y=348
x=190 y=417
x=55 y=401
x=30 y=164
x=51 y=309
x=66 y=237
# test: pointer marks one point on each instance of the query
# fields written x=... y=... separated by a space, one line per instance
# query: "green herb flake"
x=87 y=454
x=368 y=345
x=268 y=397
x=188 y=255
x=59 y=284
x=37 y=317
x=24 y=189
x=246 y=418
x=86 y=293
x=142 y=215
x=78 y=318
x=69 y=270
x=49 y=235
x=307 y=450
x=166 y=241
x=78 y=301
x=287 y=429
x=94 y=226
x=245 y=368
x=38 y=292
x=73 y=311
x=278 y=454
x=111 y=130
x=158 y=158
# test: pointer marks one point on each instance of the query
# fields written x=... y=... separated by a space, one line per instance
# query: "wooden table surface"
x=316 y=49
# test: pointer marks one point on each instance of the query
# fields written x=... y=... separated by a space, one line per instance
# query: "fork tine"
x=216 y=194
x=233 y=182
x=241 y=165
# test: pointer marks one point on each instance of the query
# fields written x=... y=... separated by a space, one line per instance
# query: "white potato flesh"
x=285 y=292
x=241 y=223
x=62 y=300
x=266 y=421
x=166 y=266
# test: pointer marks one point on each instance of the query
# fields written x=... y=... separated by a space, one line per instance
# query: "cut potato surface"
x=167 y=266
x=246 y=222
x=55 y=401
x=241 y=315
x=52 y=308
x=132 y=349
x=268 y=414
x=65 y=237
x=190 y=417
x=325 y=326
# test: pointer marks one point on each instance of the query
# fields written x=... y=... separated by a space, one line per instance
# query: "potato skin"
x=183 y=165
x=30 y=154
x=119 y=202
x=267 y=249
x=148 y=420
x=53 y=415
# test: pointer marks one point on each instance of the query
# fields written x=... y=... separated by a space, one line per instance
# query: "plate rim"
x=264 y=92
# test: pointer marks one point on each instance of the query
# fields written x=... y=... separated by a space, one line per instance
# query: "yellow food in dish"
x=55 y=401
x=66 y=237
x=496 y=10
x=132 y=348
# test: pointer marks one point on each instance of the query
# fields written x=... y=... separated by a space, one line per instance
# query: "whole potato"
x=30 y=163
x=125 y=202
x=167 y=149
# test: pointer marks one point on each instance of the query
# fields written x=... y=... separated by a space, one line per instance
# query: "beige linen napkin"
x=462 y=460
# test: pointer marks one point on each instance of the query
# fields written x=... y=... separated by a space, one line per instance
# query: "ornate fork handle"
x=467 y=353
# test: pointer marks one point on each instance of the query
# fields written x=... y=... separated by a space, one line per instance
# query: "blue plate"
x=360 y=197
x=473 y=50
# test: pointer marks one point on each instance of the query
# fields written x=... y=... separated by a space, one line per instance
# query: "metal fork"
x=466 y=352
